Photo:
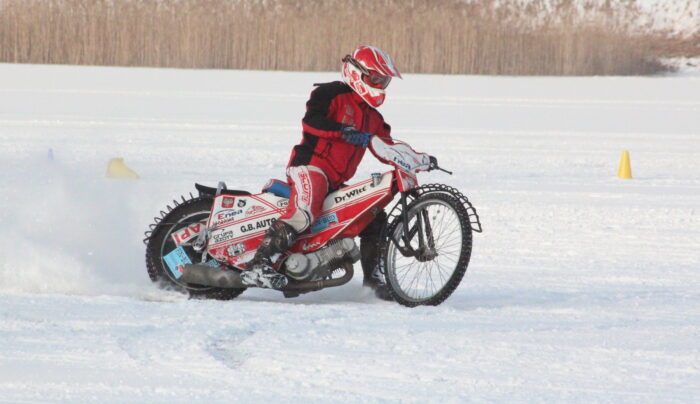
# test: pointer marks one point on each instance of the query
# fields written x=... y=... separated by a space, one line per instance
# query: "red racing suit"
x=331 y=106
x=323 y=161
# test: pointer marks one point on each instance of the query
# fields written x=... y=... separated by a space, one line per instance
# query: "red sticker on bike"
x=227 y=202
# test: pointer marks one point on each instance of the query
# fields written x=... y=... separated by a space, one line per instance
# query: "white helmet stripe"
x=385 y=63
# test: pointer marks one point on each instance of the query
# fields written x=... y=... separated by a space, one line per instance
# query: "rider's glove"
x=354 y=136
x=433 y=163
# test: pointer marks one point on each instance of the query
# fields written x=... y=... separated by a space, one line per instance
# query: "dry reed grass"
x=427 y=36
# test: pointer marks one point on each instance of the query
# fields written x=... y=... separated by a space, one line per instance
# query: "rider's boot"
x=369 y=252
x=278 y=238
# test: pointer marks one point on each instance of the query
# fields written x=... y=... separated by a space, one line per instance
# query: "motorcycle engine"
x=320 y=263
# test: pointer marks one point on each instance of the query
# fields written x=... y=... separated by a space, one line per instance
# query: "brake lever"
x=442 y=169
x=436 y=167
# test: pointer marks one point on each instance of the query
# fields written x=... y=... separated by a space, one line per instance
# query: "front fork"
x=426 y=241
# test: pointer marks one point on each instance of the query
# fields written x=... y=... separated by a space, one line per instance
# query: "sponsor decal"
x=254 y=209
x=323 y=222
x=236 y=250
x=260 y=224
x=350 y=194
x=225 y=216
x=176 y=261
x=212 y=263
x=227 y=202
x=241 y=203
x=283 y=203
x=402 y=163
x=376 y=179
x=305 y=183
x=187 y=233
x=218 y=253
x=306 y=246
x=349 y=116
x=223 y=236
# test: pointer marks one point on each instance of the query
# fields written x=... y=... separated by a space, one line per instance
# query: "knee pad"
x=300 y=220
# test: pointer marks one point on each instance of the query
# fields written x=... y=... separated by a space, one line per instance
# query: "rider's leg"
x=369 y=250
x=309 y=187
x=259 y=271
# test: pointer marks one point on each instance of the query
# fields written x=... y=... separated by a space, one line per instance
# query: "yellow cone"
x=625 y=170
x=117 y=169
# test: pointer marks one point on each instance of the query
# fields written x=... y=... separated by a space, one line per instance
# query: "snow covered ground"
x=582 y=288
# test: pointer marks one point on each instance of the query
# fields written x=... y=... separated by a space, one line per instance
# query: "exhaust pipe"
x=205 y=275
x=309 y=286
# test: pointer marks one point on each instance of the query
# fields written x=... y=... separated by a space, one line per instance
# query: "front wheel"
x=425 y=261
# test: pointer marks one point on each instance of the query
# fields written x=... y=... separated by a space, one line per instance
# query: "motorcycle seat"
x=211 y=191
x=277 y=188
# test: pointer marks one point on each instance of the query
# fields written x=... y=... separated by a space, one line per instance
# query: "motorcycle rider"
x=340 y=118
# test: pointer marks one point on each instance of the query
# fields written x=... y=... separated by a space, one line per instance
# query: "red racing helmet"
x=368 y=71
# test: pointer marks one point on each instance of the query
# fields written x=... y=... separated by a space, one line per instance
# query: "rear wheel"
x=160 y=244
x=439 y=231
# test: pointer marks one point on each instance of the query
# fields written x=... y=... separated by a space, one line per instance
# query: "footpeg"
x=264 y=277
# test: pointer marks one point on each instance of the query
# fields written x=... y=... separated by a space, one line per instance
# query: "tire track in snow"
x=225 y=347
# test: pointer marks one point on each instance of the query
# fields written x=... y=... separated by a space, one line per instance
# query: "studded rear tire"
x=160 y=243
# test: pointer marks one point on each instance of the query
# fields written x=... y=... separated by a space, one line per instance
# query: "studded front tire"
x=442 y=222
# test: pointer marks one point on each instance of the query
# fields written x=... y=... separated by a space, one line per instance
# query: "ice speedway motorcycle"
x=201 y=244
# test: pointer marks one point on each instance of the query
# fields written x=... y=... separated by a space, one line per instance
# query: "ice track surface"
x=582 y=288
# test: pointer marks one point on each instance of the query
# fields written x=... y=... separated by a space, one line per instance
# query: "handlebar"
x=434 y=165
x=442 y=169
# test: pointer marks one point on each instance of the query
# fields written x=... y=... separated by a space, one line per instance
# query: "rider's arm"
x=316 y=121
x=385 y=133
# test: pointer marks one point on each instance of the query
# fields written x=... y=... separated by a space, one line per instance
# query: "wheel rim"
x=416 y=280
x=168 y=245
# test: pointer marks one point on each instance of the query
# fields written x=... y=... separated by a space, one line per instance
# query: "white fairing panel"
x=400 y=155
x=356 y=193
x=237 y=219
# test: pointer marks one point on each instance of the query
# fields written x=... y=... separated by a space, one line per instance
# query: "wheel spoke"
x=407 y=271
x=439 y=271
x=430 y=275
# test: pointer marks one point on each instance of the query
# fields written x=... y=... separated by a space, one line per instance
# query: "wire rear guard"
x=163 y=213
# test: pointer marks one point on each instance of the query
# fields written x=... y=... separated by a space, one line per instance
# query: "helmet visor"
x=376 y=80
x=370 y=77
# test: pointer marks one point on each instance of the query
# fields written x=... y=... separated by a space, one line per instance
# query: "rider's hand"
x=433 y=163
x=354 y=136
